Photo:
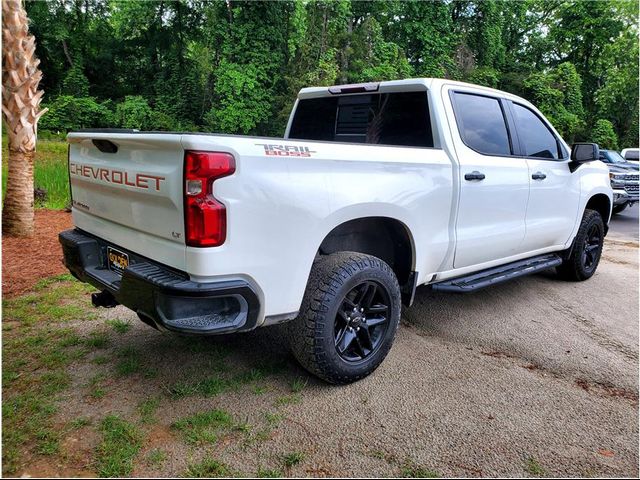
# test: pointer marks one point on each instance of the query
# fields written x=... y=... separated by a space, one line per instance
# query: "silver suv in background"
x=624 y=179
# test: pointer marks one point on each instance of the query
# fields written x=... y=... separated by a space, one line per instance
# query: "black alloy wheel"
x=592 y=246
x=361 y=321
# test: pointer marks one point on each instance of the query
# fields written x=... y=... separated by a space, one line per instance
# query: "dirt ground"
x=25 y=261
x=537 y=377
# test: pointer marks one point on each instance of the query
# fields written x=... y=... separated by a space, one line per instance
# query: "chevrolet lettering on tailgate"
x=119 y=177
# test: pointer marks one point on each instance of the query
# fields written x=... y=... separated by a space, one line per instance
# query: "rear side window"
x=482 y=124
x=535 y=137
x=383 y=118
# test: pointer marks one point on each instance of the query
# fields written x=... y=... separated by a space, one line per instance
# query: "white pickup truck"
x=375 y=189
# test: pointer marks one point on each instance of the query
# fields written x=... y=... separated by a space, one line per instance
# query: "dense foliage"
x=232 y=66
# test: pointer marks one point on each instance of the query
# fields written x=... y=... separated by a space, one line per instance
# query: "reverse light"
x=205 y=216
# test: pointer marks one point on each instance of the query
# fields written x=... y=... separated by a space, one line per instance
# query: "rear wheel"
x=348 y=319
x=583 y=260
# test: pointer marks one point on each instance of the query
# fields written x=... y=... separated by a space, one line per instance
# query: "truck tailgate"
x=127 y=189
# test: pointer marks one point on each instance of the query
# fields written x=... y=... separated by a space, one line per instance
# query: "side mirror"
x=584 y=152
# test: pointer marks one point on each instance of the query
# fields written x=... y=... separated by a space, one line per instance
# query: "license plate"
x=117 y=260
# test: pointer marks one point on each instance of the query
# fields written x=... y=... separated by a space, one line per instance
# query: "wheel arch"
x=601 y=203
x=384 y=237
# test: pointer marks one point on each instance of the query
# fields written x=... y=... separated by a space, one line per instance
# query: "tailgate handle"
x=105 y=146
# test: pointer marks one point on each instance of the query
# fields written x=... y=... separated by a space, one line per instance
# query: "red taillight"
x=205 y=217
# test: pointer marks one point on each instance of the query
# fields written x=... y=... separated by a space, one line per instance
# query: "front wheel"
x=349 y=317
x=585 y=255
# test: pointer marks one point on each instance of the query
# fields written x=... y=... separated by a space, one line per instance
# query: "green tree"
x=75 y=83
x=236 y=66
x=604 y=135
x=134 y=112
x=557 y=94
x=425 y=32
x=67 y=113
x=617 y=97
x=254 y=48
x=374 y=59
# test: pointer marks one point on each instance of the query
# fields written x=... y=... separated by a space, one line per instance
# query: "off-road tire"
x=312 y=335
x=573 y=267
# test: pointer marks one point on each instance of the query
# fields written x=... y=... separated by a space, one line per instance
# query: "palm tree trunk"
x=21 y=111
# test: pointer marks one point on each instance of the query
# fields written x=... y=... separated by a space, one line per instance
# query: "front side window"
x=381 y=118
x=535 y=137
x=482 y=124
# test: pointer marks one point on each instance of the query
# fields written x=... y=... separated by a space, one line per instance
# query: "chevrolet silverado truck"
x=375 y=189
x=624 y=180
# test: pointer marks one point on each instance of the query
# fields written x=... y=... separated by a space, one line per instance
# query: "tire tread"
x=328 y=274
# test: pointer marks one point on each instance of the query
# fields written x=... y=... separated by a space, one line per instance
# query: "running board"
x=503 y=273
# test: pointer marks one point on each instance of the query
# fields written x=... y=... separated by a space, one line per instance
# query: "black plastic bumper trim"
x=163 y=295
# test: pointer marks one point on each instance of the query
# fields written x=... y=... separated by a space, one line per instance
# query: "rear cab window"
x=397 y=119
x=482 y=123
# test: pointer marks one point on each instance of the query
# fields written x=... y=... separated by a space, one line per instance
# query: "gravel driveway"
x=531 y=378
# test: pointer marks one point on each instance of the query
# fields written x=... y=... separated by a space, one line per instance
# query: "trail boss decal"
x=286 y=150
x=119 y=177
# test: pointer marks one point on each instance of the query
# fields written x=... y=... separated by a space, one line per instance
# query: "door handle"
x=475 y=175
x=538 y=176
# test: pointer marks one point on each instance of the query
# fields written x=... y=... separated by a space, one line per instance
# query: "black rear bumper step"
x=495 y=275
x=162 y=297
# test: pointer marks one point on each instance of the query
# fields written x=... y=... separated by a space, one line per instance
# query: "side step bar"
x=495 y=275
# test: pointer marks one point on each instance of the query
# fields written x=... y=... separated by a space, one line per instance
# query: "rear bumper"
x=163 y=297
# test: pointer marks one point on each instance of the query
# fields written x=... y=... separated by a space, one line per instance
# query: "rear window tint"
x=388 y=119
x=482 y=124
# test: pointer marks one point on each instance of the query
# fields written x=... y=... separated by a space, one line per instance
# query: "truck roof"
x=409 y=84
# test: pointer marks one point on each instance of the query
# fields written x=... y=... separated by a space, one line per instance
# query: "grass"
x=411 y=470
x=292 y=399
x=203 y=427
x=217 y=384
x=101 y=360
x=97 y=391
x=97 y=340
x=50 y=172
x=299 y=384
x=121 y=442
x=120 y=326
x=59 y=299
x=79 y=422
x=156 y=457
x=36 y=354
x=147 y=409
x=533 y=467
x=208 y=468
x=292 y=459
x=129 y=362
x=269 y=473
x=273 y=418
